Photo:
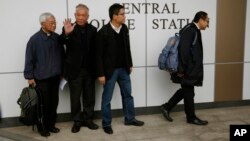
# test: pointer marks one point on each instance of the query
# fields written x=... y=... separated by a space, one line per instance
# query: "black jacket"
x=76 y=53
x=191 y=57
x=106 y=50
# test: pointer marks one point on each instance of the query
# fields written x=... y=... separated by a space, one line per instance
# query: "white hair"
x=44 y=16
x=79 y=6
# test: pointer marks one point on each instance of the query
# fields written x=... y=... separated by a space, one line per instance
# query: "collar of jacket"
x=45 y=36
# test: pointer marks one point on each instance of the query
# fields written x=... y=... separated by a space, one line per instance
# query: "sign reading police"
x=239 y=132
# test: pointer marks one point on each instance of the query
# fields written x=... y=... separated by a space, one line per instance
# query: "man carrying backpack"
x=43 y=67
x=190 y=68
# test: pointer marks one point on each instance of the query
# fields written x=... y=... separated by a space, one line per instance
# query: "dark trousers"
x=48 y=89
x=187 y=93
x=82 y=87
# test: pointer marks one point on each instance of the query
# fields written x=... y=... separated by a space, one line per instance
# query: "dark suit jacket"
x=106 y=50
x=191 y=57
x=75 y=53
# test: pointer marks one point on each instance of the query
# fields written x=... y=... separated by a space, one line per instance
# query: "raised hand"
x=68 y=26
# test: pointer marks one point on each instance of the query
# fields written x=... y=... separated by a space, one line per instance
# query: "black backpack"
x=28 y=102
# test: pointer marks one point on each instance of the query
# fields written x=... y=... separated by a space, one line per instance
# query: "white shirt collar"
x=117 y=30
x=197 y=25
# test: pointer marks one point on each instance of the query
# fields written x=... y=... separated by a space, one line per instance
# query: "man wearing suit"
x=190 y=69
x=79 y=39
x=114 y=64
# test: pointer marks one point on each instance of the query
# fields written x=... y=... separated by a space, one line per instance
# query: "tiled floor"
x=156 y=128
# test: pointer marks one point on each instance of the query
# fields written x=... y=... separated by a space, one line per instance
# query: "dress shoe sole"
x=205 y=123
x=44 y=134
x=108 y=131
x=75 y=129
x=135 y=123
x=131 y=124
x=54 y=130
x=92 y=128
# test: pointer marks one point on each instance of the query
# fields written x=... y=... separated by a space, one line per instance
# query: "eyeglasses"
x=122 y=14
x=51 y=23
x=207 y=20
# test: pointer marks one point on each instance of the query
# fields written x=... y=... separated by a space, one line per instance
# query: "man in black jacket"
x=114 y=64
x=79 y=39
x=190 y=69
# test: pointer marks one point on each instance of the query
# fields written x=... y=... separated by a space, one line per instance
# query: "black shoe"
x=135 y=123
x=165 y=113
x=76 y=127
x=54 y=130
x=108 y=130
x=90 y=125
x=44 y=133
x=197 y=121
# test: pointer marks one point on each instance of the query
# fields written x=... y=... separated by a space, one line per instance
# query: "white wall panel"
x=99 y=16
x=246 y=82
x=161 y=24
x=64 y=100
x=246 y=76
x=19 y=21
x=247 y=34
x=159 y=86
x=138 y=78
x=150 y=86
x=11 y=86
x=206 y=92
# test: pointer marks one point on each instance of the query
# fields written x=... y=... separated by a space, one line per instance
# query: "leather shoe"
x=197 y=121
x=135 y=123
x=76 y=127
x=44 y=133
x=108 y=130
x=54 y=130
x=165 y=113
x=90 y=124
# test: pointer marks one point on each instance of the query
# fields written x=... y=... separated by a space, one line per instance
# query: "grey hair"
x=44 y=16
x=82 y=6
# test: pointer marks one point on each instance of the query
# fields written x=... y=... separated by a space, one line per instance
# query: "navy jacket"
x=43 y=58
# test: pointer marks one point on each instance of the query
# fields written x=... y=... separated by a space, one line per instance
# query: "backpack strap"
x=195 y=38
x=186 y=27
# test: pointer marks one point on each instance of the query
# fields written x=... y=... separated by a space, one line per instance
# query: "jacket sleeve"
x=99 y=48
x=129 y=49
x=63 y=39
x=29 y=60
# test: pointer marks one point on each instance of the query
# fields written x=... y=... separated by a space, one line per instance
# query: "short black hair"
x=200 y=15
x=114 y=10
